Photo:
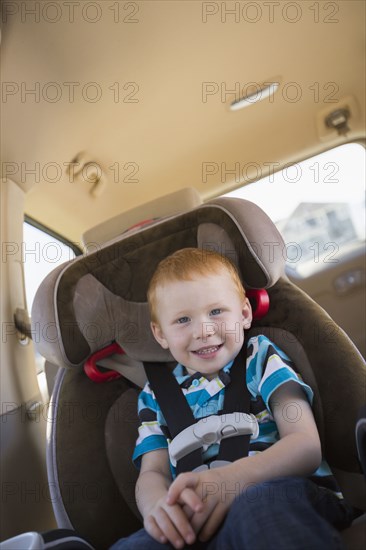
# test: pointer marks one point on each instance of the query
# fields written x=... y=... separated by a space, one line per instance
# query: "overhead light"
x=258 y=95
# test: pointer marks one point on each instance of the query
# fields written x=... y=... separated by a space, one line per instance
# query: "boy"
x=199 y=312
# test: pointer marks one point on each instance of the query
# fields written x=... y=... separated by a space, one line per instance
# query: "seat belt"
x=179 y=416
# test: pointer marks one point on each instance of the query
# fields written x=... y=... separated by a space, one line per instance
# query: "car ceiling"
x=165 y=60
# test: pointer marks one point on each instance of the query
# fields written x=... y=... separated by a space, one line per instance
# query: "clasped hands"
x=195 y=504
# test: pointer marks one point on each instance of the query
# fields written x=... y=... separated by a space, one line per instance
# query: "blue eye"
x=216 y=311
x=183 y=320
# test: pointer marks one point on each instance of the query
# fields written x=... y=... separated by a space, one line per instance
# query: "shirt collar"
x=185 y=379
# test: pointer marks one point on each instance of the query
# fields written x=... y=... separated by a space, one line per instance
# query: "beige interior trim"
x=18 y=373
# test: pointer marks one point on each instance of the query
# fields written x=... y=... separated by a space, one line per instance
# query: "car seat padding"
x=122 y=418
x=83 y=474
x=96 y=299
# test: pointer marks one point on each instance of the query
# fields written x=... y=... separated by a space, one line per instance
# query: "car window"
x=318 y=205
x=42 y=252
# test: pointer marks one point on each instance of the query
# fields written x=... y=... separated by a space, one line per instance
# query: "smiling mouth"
x=208 y=350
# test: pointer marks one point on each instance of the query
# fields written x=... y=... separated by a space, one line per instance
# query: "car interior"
x=131 y=130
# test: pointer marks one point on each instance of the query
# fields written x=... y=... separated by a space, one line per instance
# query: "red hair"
x=183 y=265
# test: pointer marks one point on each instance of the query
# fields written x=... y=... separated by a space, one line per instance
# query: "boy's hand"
x=164 y=522
x=213 y=490
x=169 y=523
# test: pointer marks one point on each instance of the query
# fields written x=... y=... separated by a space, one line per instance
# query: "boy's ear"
x=247 y=314
x=158 y=335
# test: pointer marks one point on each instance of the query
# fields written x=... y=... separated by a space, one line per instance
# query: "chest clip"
x=212 y=430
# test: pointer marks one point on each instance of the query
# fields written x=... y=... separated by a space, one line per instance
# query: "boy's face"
x=201 y=322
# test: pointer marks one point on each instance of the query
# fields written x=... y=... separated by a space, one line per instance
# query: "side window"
x=318 y=206
x=42 y=253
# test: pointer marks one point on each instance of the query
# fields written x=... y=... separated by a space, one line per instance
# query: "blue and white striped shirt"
x=267 y=368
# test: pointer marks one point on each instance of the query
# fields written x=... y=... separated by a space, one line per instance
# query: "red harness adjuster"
x=91 y=368
x=259 y=300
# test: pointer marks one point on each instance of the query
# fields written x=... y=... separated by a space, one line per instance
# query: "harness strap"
x=175 y=408
x=237 y=400
x=179 y=416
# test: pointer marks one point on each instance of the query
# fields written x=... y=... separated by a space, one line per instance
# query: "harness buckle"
x=212 y=429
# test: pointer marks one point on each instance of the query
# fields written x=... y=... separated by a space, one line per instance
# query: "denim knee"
x=292 y=496
x=283 y=491
x=286 y=513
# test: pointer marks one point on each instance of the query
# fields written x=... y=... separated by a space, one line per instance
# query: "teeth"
x=207 y=350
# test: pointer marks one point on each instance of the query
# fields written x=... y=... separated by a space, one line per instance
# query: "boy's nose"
x=204 y=329
x=197 y=331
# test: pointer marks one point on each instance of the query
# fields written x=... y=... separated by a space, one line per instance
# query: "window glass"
x=42 y=253
x=318 y=205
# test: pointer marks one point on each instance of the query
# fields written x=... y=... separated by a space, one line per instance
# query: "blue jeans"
x=289 y=513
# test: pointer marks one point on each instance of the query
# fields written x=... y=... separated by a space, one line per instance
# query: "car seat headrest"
x=101 y=297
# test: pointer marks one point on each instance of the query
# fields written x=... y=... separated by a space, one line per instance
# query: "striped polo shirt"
x=267 y=368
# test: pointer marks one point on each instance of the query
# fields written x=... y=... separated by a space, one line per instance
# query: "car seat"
x=98 y=300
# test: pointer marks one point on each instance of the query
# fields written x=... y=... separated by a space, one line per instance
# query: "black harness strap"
x=175 y=408
x=237 y=400
x=179 y=416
